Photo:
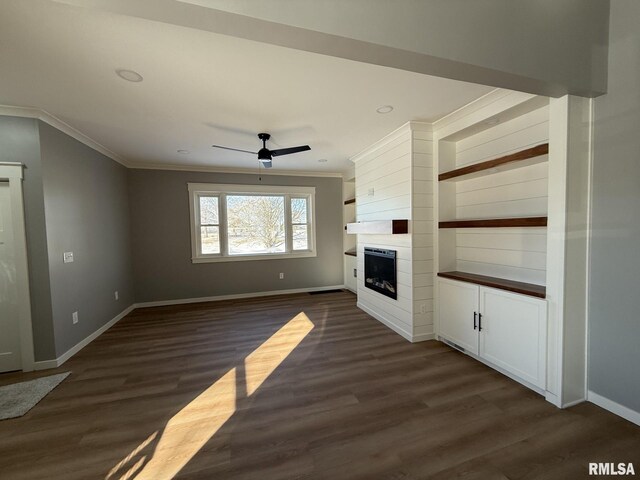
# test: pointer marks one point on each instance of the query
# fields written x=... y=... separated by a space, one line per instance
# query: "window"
x=250 y=222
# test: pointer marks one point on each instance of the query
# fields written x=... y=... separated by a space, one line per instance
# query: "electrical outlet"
x=423 y=308
x=355 y=272
x=115 y=294
x=67 y=257
x=281 y=276
x=74 y=317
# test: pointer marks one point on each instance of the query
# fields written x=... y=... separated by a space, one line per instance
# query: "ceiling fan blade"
x=290 y=150
x=234 y=149
x=267 y=164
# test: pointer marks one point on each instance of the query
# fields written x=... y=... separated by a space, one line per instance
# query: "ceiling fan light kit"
x=264 y=154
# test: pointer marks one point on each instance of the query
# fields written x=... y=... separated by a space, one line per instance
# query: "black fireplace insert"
x=380 y=271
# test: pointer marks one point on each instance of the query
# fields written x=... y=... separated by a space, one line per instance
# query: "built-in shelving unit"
x=522 y=158
x=505 y=289
x=380 y=227
x=499 y=283
x=349 y=242
x=492 y=199
x=496 y=223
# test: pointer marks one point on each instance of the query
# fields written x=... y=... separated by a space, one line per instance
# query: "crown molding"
x=43 y=115
x=410 y=126
x=245 y=171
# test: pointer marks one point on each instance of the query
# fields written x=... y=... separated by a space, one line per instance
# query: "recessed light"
x=384 y=109
x=322 y=160
x=183 y=152
x=129 y=75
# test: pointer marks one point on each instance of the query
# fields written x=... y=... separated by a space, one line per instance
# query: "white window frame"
x=196 y=190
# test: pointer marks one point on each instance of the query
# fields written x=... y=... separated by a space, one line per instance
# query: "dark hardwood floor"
x=252 y=389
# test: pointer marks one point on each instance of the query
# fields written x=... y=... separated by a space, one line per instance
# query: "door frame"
x=13 y=173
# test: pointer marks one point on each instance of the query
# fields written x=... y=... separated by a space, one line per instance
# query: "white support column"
x=569 y=153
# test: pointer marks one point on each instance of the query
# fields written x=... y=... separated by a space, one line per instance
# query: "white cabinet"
x=506 y=330
x=458 y=304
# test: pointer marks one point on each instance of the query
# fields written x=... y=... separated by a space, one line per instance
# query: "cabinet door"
x=457 y=303
x=514 y=333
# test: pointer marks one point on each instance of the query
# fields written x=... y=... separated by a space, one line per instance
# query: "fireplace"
x=380 y=271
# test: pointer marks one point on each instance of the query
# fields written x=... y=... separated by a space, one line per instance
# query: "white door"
x=458 y=306
x=9 y=327
x=514 y=333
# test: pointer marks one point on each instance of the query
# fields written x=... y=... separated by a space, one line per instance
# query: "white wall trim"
x=250 y=171
x=476 y=104
x=574 y=402
x=398 y=132
x=216 y=298
x=55 y=122
x=614 y=407
x=13 y=172
x=43 y=115
x=43 y=365
x=587 y=310
x=423 y=337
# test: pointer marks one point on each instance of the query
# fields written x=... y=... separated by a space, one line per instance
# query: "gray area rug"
x=18 y=398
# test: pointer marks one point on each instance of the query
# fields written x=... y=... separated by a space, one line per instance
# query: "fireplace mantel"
x=380 y=227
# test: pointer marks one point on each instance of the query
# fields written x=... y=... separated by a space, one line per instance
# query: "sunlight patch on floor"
x=193 y=426
x=263 y=361
x=189 y=429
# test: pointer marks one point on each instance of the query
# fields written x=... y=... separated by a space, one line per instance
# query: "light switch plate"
x=67 y=257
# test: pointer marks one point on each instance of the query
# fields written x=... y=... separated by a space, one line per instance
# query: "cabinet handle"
x=479 y=322
x=475 y=316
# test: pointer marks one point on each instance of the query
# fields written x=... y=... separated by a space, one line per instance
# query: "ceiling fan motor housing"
x=264 y=154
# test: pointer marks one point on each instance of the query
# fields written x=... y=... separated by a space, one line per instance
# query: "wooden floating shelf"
x=496 y=222
x=382 y=227
x=351 y=253
x=523 y=158
x=351 y=200
x=530 y=289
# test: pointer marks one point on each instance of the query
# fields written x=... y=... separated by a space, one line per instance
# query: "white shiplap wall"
x=518 y=254
x=422 y=232
x=394 y=180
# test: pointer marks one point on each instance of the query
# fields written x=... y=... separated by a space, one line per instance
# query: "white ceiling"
x=202 y=88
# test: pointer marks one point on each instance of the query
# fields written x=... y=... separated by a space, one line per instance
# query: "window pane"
x=256 y=224
x=210 y=239
x=209 y=211
x=298 y=210
x=300 y=237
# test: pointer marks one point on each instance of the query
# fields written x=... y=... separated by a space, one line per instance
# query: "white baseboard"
x=423 y=337
x=182 y=301
x=614 y=407
x=574 y=403
x=552 y=398
x=45 y=364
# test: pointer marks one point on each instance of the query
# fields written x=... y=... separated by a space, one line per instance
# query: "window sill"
x=245 y=258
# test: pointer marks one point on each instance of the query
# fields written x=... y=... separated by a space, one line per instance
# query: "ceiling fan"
x=264 y=154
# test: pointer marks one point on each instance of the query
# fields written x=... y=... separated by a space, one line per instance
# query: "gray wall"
x=19 y=143
x=87 y=212
x=162 y=244
x=614 y=327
